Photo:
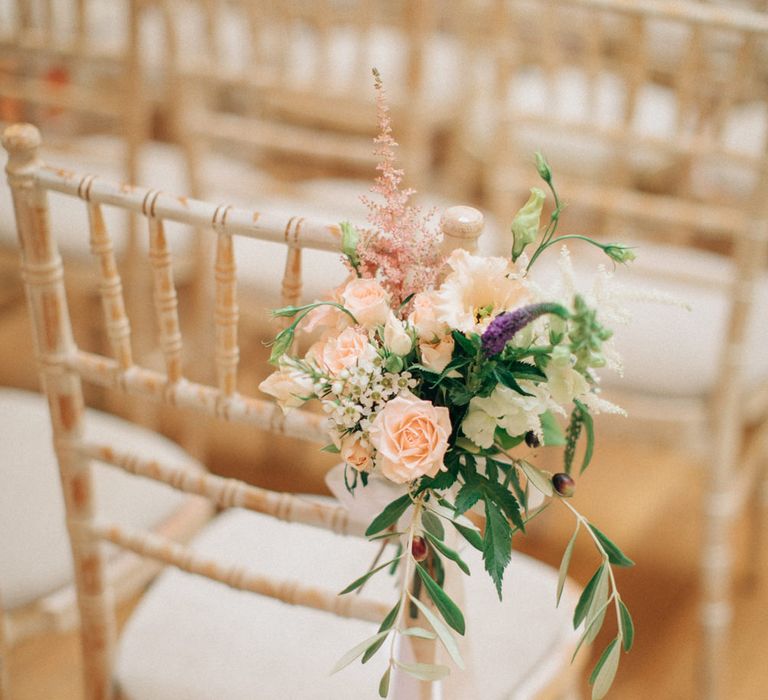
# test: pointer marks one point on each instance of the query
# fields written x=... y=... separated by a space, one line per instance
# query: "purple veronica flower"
x=503 y=328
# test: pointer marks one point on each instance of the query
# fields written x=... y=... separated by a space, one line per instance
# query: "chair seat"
x=35 y=556
x=668 y=350
x=197 y=639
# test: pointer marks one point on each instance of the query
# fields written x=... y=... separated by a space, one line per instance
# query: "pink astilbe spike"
x=402 y=250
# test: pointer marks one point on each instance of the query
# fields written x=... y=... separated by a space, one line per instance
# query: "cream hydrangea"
x=476 y=290
x=507 y=409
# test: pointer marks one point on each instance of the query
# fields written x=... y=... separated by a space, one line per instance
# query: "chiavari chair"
x=191 y=636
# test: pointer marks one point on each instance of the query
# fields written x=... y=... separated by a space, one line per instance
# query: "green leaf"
x=524 y=370
x=588 y=632
x=553 y=433
x=330 y=448
x=615 y=555
x=586 y=597
x=419 y=632
x=605 y=670
x=384 y=683
x=505 y=440
x=355 y=651
x=386 y=624
x=506 y=378
x=385 y=536
x=447 y=552
x=390 y=515
x=470 y=535
x=497 y=543
x=442 y=632
x=469 y=346
x=627 y=626
x=537 y=477
x=597 y=607
x=432 y=524
x=466 y=498
x=425 y=672
x=565 y=563
x=360 y=581
x=448 y=609
x=589 y=428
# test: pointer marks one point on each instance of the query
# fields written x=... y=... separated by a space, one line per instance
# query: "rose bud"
x=419 y=548
x=564 y=484
x=531 y=440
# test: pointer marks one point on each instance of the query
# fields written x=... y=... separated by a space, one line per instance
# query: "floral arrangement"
x=432 y=370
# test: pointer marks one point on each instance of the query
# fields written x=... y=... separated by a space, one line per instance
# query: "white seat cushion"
x=668 y=350
x=34 y=552
x=193 y=638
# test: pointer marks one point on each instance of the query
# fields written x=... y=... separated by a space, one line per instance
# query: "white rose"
x=396 y=338
x=289 y=386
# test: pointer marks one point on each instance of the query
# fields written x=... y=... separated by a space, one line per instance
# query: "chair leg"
x=716 y=593
x=4 y=692
x=758 y=505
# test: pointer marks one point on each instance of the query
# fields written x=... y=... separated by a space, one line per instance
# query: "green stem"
x=614 y=588
x=418 y=504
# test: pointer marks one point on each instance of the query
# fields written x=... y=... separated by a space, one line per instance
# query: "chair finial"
x=22 y=142
x=21 y=137
x=461 y=226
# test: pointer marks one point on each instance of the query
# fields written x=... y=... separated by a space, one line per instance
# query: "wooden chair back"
x=292 y=80
x=64 y=368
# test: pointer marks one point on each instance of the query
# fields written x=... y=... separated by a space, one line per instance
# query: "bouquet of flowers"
x=432 y=371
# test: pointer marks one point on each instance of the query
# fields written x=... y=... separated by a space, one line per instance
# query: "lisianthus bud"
x=543 y=167
x=419 y=548
x=350 y=237
x=564 y=484
x=396 y=338
x=525 y=225
x=619 y=253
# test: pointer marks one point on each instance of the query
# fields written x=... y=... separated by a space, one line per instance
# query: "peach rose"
x=343 y=351
x=289 y=386
x=367 y=301
x=326 y=317
x=424 y=316
x=356 y=452
x=411 y=437
x=435 y=356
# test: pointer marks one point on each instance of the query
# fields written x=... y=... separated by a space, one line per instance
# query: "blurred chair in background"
x=678 y=161
x=190 y=637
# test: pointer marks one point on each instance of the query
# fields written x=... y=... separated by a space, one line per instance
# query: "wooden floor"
x=646 y=497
